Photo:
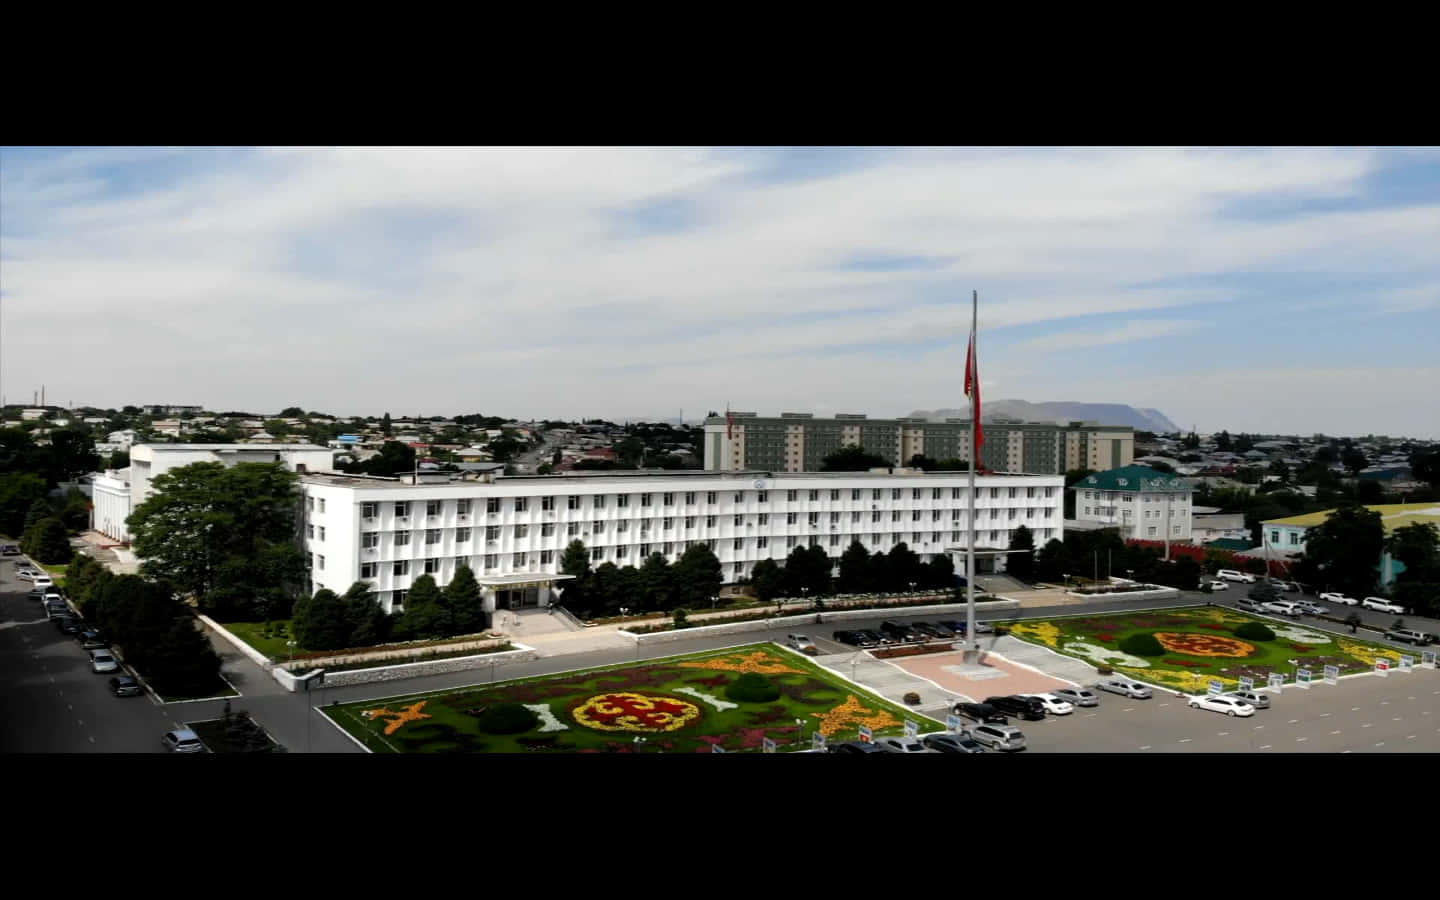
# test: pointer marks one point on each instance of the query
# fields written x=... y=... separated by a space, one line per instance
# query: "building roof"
x=1230 y=544
x=1134 y=478
x=235 y=447
x=1394 y=515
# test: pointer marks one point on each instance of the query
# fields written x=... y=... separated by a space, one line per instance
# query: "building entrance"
x=517 y=598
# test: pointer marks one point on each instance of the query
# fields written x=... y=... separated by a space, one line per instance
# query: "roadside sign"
x=767 y=745
x=911 y=728
x=953 y=723
x=1215 y=687
x=1302 y=677
x=1332 y=674
x=866 y=734
x=1276 y=681
x=716 y=748
x=1427 y=658
x=1247 y=683
x=1382 y=666
x=817 y=741
x=1406 y=663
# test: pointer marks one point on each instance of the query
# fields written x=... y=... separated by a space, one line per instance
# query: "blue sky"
x=1292 y=290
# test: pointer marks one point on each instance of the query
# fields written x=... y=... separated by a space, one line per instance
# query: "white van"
x=1235 y=575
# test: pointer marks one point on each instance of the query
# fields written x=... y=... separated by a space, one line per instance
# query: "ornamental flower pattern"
x=759 y=662
x=640 y=713
x=853 y=712
x=1203 y=644
x=397 y=719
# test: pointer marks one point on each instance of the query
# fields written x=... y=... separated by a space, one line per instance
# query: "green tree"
x=921 y=461
x=768 y=580
x=1426 y=467
x=394 y=458
x=557 y=457
x=1223 y=442
x=1279 y=469
x=73 y=453
x=427 y=615
x=38 y=512
x=1417 y=547
x=182 y=663
x=855 y=570
x=698 y=577
x=466 y=603
x=1050 y=562
x=806 y=573
x=655 y=582
x=1021 y=565
x=75 y=514
x=47 y=542
x=323 y=622
x=853 y=458
x=940 y=573
x=386 y=428
x=372 y=625
x=1185 y=573
x=292 y=412
x=902 y=568
x=1354 y=460
x=18 y=493
x=544 y=469
x=1345 y=549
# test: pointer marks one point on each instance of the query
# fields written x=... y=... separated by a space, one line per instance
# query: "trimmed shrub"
x=508 y=718
x=1142 y=645
x=752 y=687
x=912 y=698
x=1254 y=631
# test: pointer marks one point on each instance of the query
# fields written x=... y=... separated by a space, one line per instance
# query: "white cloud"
x=1129 y=331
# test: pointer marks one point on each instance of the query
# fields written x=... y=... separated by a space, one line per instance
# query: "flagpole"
x=974 y=648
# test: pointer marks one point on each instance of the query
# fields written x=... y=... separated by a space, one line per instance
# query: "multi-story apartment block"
x=1141 y=501
x=799 y=442
x=511 y=531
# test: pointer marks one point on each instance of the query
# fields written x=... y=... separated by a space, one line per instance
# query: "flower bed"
x=673 y=705
x=916 y=650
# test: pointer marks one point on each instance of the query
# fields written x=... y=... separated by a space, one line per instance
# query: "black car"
x=1263 y=593
x=846 y=637
x=69 y=625
x=854 y=747
x=956 y=626
x=55 y=609
x=9 y=550
x=900 y=633
x=92 y=639
x=870 y=638
x=941 y=629
x=926 y=629
x=980 y=712
x=1027 y=708
x=947 y=742
x=125 y=686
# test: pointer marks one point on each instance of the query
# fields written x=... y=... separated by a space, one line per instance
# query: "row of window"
x=431 y=565
x=1294 y=538
x=401 y=508
x=1174 y=529
x=1128 y=497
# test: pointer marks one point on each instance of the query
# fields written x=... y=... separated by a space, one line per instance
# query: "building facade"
x=1144 y=503
x=799 y=442
x=512 y=531
x=1288 y=535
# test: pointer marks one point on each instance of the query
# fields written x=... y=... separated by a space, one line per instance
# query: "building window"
x=762 y=542
x=402 y=510
x=645 y=500
x=874 y=538
x=644 y=551
x=572 y=528
x=310 y=531
x=547 y=503
x=762 y=497
x=432 y=507
x=397 y=599
x=855 y=516
x=739 y=496
x=492 y=505
x=367 y=570
x=792 y=496
x=894 y=493
x=1013 y=493
x=814 y=495
x=934 y=537
x=462 y=535
x=1151 y=531
x=954 y=535
x=1049 y=492
x=834 y=518
x=310 y=503
x=492 y=560
x=854 y=493
x=370 y=540
x=739 y=543
x=369 y=510
x=955 y=493
x=598 y=502
x=814 y=518
x=790 y=542
x=710 y=497
x=320 y=560
x=1087 y=510
x=572 y=501
x=492 y=532
x=322 y=504
x=1175 y=529
x=1294 y=538
x=518 y=559
x=874 y=515
x=739 y=520
x=689 y=498
x=400 y=567
x=668 y=498
x=1274 y=537
x=432 y=535
x=622 y=551
x=914 y=493
x=914 y=515
x=689 y=521
x=1030 y=492
x=462 y=507
x=875 y=494
x=894 y=515
x=709 y=521
x=547 y=529
x=522 y=531
x=402 y=538
x=834 y=494
x=791 y=518
x=597 y=553
x=667 y=524
x=764 y=518
x=432 y=565
x=547 y=557
x=622 y=525
x=739 y=570
x=834 y=540
x=597 y=526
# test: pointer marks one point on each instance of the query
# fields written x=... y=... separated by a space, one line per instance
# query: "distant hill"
x=1062 y=411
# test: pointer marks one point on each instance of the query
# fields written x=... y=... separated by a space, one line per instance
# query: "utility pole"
x=974 y=642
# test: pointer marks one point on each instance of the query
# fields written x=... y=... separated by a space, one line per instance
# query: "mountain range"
x=1062 y=411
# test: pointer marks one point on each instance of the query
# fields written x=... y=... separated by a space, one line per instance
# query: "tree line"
x=330 y=621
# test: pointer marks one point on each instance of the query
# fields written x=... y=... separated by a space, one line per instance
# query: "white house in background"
x=118 y=492
x=32 y=413
x=171 y=427
x=1141 y=501
x=1212 y=527
x=123 y=438
x=511 y=531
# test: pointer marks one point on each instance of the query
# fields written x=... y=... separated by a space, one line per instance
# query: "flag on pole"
x=729 y=424
x=972 y=390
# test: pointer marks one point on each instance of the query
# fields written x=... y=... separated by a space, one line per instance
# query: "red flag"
x=972 y=390
x=729 y=425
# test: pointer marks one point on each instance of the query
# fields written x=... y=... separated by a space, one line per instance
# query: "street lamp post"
x=804 y=591
x=800 y=735
x=713 y=601
x=639 y=743
x=912 y=587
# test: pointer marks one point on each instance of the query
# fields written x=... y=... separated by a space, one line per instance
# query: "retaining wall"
x=800 y=621
x=415 y=670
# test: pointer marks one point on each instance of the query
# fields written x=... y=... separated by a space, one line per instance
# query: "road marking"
x=1409 y=737
x=92 y=740
x=1264 y=746
x=1409 y=698
x=1146 y=747
x=52 y=679
x=1334 y=732
x=1258 y=727
x=1323 y=715
x=1354 y=709
x=80 y=722
x=1183 y=741
x=1381 y=744
x=1091 y=715
x=1301 y=739
x=69 y=707
x=1396 y=719
x=1384 y=702
x=1128 y=709
x=1221 y=733
x=1366 y=725
x=1163 y=705
x=1293 y=721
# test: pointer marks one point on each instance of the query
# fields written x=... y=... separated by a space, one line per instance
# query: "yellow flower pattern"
x=853 y=712
x=397 y=719
x=759 y=662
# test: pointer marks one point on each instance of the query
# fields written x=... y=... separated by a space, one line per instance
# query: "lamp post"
x=800 y=735
x=639 y=743
x=803 y=592
x=713 y=601
x=912 y=587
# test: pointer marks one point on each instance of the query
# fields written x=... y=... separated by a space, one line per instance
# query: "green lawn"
x=221 y=690
x=273 y=646
x=807 y=692
x=1200 y=646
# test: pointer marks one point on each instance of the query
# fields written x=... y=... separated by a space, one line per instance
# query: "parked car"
x=1235 y=575
x=91 y=639
x=1027 y=708
x=952 y=742
x=43 y=581
x=1125 y=687
x=1380 y=604
x=869 y=638
x=902 y=745
x=54 y=611
x=899 y=632
x=1283 y=607
x=69 y=625
x=999 y=737
x=125 y=686
x=1077 y=696
x=980 y=712
x=798 y=641
x=942 y=630
x=1223 y=704
x=986 y=628
x=102 y=662
x=1254 y=698
x=1287 y=586
x=846 y=637
x=926 y=630
x=956 y=626
x=1313 y=609
x=854 y=747
x=1215 y=585
x=1410 y=636
x=9 y=550
x=1339 y=598
x=182 y=741
x=25 y=574
x=1053 y=704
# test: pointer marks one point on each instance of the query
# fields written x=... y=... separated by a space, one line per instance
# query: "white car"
x=1382 y=605
x=1235 y=575
x=1053 y=704
x=798 y=641
x=43 y=581
x=25 y=574
x=903 y=745
x=1340 y=599
x=1215 y=585
x=1287 y=586
x=1125 y=687
x=1230 y=706
x=1283 y=607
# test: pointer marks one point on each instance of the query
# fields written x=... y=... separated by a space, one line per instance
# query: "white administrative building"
x=512 y=531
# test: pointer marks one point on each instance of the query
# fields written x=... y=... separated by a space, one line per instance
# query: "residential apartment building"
x=1144 y=503
x=799 y=442
x=118 y=492
x=511 y=531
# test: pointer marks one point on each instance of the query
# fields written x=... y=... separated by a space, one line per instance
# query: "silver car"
x=903 y=745
x=182 y=741
x=102 y=663
x=1257 y=700
x=1313 y=609
x=998 y=737
x=1125 y=687
x=1078 y=696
